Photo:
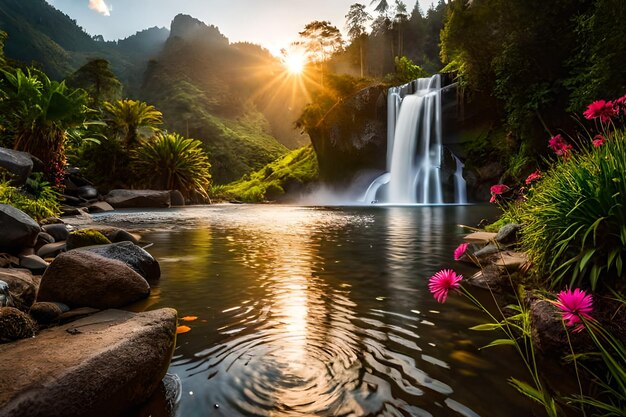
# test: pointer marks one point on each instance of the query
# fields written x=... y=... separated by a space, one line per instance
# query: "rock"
x=100 y=207
x=176 y=198
x=491 y=277
x=132 y=255
x=5 y=295
x=22 y=287
x=7 y=260
x=73 y=211
x=480 y=237
x=18 y=229
x=164 y=402
x=51 y=220
x=77 y=313
x=86 y=279
x=51 y=249
x=548 y=332
x=115 y=234
x=85 y=237
x=99 y=366
x=485 y=251
x=352 y=137
x=34 y=263
x=508 y=233
x=57 y=231
x=47 y=312
x=15 y=325
x=512 y=261
x=87 y=192
x=17 y=163
x=138 y=198
x=43 y=238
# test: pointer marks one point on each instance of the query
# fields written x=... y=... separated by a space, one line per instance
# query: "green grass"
x=575 y=219
x=291 y=172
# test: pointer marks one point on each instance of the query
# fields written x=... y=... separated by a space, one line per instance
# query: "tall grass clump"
x=37 y=198
x=575 y=219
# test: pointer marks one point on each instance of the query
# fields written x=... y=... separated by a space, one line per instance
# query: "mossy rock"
x=15 y=325
x=86 y=237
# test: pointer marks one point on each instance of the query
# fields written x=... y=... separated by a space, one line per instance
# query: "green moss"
x=291 y=172
x=86 y=237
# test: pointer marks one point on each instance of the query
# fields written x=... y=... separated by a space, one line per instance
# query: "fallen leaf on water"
x=189 y=318
x=182 y=329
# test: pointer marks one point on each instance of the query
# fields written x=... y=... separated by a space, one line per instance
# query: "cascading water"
x=415 y=148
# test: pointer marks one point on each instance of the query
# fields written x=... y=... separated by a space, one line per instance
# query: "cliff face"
x=353 y=136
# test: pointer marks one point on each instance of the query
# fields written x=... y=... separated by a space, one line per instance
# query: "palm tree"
x=41 y=115
x=131 y=120
x=172 y=162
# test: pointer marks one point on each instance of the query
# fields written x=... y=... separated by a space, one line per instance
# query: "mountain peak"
x=190 y=28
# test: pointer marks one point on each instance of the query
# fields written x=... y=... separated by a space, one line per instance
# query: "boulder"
x=138 y=199
x=101 y=365
x=548 y=331
x=132 y=255
x=58 y=231
x=85 y=237
x=508 y=233
x=115 y=234
x=480 y=237
x=164 y=402
x=47 y=312
x=99 y=207
x=18 y=230
x=177 y=198
x=15 y=325
x=86 y=279
x=22 y=287
x=491 y=277
x=33 y=263
x=51 y=249
x=7 y=260
x=87 y=192
x=17 y=163
x=43 y=238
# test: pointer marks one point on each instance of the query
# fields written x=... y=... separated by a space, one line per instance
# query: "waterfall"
x=415 y=148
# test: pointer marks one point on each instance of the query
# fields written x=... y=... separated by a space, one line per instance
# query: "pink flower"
x=442 y=282
x=460 y=250
x=598 y=141
x=533 y=177
x=574 y=305
x=559 y=145
x=605 y=110
x=496 y=190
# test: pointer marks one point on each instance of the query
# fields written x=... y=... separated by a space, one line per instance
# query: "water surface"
x=323 y=312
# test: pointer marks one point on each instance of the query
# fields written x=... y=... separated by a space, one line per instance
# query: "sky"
x=271 y=23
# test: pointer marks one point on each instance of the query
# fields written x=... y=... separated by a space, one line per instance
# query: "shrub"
x=171 y=162
x=37 y=198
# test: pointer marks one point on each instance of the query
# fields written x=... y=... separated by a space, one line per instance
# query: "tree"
x=130 y=119
x=41 y=115
x=321 y=40
x=356 y=19
x=381 y=7
x=98 y=80
x=399 y=21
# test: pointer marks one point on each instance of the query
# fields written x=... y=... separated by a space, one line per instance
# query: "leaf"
x=585 y=259
x=486 y=327
x=189 y=318
x=182 y=329
x=499 y=342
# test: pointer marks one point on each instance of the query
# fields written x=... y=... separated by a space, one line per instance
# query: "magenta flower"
x=533 y=177
x=574 y=305
x=460 y=250
x=598 y=141
x=559 y=145
x=497 y=190
x=604 y=110
x=442 y=282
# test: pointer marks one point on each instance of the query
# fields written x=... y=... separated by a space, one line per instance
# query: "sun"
x=294 y=62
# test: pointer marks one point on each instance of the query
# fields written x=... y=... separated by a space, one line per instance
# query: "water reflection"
x=324 y=312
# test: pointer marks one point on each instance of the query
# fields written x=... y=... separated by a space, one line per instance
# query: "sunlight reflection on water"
x=322 y=312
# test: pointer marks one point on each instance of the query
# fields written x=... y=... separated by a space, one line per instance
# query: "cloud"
x=100 y=6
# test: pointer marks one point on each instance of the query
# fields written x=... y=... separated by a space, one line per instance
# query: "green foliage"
x=86 y=237
x=407 y=71
x=132 y=120
x=37 y=199
x=40 y=114
x=98 y=80
x=575 y=221
x=171 y=162
x=292 y=172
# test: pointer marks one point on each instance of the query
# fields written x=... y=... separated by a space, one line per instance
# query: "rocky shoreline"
x=65 y=347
